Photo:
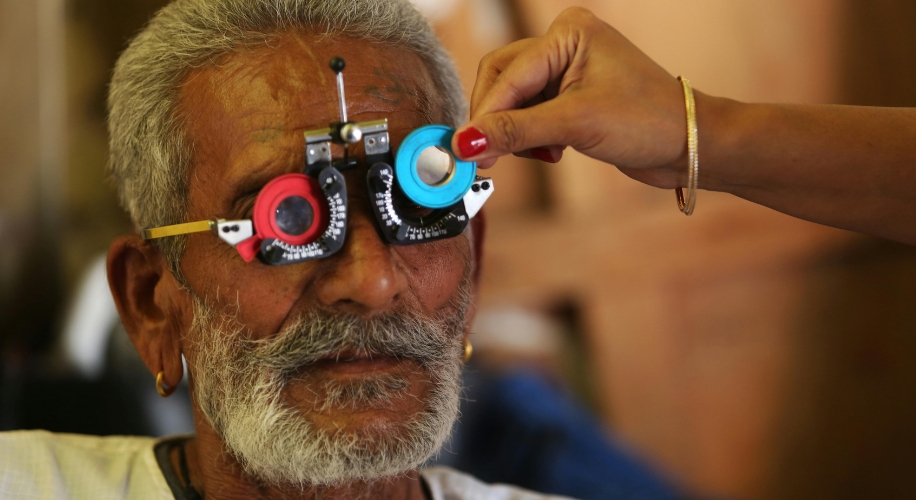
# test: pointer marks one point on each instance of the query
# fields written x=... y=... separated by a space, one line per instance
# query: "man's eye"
x=246 y=207
x=407 y=208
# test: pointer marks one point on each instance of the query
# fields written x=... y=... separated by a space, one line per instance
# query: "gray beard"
x=239 y=384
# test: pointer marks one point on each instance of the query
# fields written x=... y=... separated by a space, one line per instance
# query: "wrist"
x=721 y=129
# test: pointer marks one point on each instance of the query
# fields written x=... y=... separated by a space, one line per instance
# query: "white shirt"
x=42 y=465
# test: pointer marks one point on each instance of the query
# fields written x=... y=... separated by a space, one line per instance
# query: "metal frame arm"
x=177 y=229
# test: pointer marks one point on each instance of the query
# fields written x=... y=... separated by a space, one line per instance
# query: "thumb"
x=511 y=131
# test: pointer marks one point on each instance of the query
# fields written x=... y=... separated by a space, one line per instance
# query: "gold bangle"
x=687 y=204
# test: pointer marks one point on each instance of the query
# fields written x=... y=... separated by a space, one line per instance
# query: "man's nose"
x=364 y=277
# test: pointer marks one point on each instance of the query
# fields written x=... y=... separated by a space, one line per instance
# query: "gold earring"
x=468 y=350
x=162 y=388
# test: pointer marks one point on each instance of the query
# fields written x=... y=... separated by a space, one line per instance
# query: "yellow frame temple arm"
x=175 y=230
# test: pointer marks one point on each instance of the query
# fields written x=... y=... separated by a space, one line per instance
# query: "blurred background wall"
x=747 y=353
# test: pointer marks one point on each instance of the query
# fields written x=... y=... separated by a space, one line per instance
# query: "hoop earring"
x=468 y=350
x=162 y=388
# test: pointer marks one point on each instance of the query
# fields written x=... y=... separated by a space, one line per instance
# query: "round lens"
x=435 y=166
x=295 y=215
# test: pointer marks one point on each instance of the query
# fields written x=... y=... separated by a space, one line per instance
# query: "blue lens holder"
x=409 y=180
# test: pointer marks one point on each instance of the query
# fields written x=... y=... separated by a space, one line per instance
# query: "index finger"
x=527 y=74
x=492 y=65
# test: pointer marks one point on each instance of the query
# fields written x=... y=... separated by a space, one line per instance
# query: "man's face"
x=360 y=349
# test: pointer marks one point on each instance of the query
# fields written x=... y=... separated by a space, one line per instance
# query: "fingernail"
x=542 y=154
x=471 y=142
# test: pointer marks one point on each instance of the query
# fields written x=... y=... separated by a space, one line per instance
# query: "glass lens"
x=435 y=166
x=295 y=215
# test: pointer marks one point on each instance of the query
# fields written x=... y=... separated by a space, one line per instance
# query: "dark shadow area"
x=114 y=23
x=878 y=53
x=849 y=417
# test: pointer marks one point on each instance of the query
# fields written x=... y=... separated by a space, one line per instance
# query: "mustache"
x=318 y=335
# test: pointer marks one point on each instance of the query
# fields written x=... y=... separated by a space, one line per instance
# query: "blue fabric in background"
x=520 y=429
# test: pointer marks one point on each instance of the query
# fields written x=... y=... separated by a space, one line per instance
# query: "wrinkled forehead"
x=290 y=75
x=249 y=108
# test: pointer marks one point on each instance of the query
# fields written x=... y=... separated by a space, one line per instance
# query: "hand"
x=582 y=85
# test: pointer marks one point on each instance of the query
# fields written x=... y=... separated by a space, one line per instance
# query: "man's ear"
x=152 y=305
x=478 y=235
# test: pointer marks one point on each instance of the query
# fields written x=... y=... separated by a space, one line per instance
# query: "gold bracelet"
x=693 y=157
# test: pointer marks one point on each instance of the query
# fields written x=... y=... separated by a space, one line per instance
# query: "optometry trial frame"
x=423 y=193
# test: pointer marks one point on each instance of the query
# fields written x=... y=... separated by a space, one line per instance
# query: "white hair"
x=150 y=154
x=240 y=387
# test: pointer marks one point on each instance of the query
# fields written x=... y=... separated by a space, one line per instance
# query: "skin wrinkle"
x=323 y=82
x=243 y=166
x=394 y=87
x=399 y=91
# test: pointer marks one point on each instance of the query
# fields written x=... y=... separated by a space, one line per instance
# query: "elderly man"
x=332 y=378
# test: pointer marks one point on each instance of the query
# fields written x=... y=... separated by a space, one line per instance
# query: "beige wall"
x=18 y=128
x=32 y=163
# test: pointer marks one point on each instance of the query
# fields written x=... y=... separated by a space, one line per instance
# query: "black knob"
x=338 y=64
x=273 y=256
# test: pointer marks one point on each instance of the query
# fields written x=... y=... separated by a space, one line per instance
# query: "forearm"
x=844 y=166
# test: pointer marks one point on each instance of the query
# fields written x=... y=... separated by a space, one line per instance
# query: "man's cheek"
x=263 y=303
x=437 y=270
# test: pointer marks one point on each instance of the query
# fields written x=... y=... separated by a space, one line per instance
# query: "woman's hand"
x=581 y=85
x=586 y=86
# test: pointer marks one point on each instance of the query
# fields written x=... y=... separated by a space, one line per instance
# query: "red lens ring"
x=277 y=190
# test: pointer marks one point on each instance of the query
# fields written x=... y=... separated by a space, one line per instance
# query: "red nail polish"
x=471 y=142
x=542 y=154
